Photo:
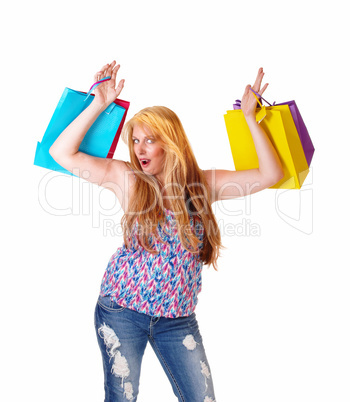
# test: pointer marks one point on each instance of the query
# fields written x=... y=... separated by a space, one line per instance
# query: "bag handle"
x=258 y=97
x=95 y=85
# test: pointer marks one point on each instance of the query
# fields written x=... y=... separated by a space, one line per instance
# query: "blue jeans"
x=123 y=334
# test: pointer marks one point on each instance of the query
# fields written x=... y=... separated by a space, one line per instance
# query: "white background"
x=275 y=318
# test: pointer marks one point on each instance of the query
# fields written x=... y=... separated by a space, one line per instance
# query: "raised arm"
x=105 y=172
x=226 y=184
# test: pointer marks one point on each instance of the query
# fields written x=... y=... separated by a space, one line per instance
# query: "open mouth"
x=145 y=162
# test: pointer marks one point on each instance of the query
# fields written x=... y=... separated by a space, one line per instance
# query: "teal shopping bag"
x=101 y=139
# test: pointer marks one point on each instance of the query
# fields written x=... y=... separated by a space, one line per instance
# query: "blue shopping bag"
x=100 y=140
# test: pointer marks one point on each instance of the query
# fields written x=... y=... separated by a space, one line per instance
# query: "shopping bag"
x=303 y=133
x=277 y=121
x=100 y=140
x=304 y=136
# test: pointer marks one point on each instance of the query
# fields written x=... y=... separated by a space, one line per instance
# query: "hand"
x=248 y=103
x=106 y=92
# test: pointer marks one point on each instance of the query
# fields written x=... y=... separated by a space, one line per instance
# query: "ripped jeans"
x=123 y=334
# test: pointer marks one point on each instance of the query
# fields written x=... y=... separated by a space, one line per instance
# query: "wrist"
x=98 y=106
x=250 y=119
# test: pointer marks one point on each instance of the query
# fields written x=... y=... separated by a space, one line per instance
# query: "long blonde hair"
x=184 y=182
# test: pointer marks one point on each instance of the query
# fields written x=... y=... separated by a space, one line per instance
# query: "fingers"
x=97 y=76
x=246 y=92
x=249 y=99
x=119 y=87
x=263 y=89
x=102 y=72
x=258 y=80
x=111 y=82
x=108 y=70
x=114 y=75
x=105 y=71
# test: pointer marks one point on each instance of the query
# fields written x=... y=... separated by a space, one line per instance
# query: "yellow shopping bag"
x=279 y=125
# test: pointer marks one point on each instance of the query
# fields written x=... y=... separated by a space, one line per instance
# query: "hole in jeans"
x=120 y=366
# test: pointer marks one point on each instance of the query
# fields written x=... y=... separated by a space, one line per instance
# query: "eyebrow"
x=148 y=138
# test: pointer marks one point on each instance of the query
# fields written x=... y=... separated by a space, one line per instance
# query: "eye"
x=150 y=141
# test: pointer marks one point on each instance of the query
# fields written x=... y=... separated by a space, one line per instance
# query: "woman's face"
x=148 y=151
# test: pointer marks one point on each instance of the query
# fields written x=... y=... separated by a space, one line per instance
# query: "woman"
x=150 y=287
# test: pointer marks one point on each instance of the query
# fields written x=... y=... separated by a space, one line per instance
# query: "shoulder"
x=207 y=175
x=119 y=169
x=120 y=179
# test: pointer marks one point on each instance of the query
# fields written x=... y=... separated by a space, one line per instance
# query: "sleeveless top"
x=165 y=284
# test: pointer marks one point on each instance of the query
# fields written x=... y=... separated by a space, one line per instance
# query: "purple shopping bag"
x=304 y=136
x=299 y=124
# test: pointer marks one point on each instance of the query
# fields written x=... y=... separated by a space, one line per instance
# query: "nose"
x=139 y=149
